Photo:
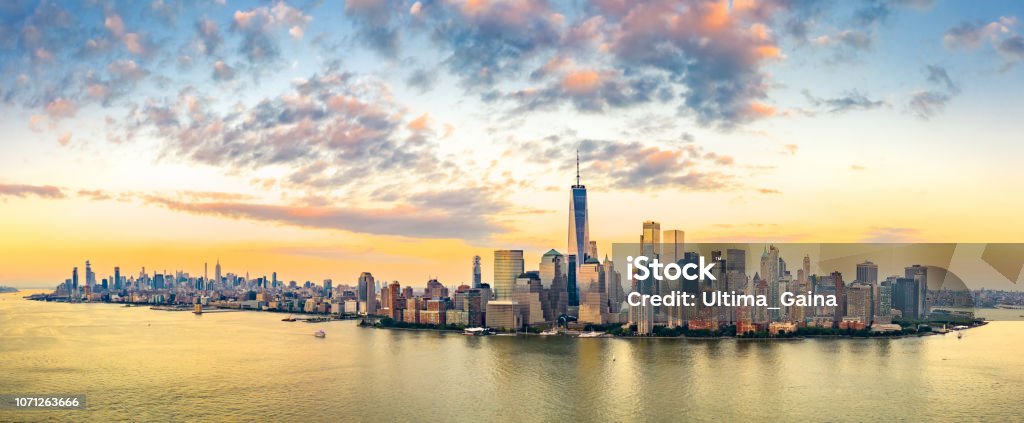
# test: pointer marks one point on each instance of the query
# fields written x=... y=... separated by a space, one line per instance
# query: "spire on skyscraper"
x=577 y=166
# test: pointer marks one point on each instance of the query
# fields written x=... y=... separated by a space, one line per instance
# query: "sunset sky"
x=320 y=139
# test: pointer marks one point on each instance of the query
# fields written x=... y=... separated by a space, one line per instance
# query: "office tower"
x=206 y=273
x=117 y=277
x=867 y=272
x=549 y=262
x=74 y=279
x=884 y=312
x=508 y=265
x=770 y=274
x=858 y=302
x=407 y=292
x=572 y=290
x=613 y=285
x=528 y=292
x=476 y=272
x=807 y=267
x=592 y=249
x=906 y=297
x=650 y=247
x=736 y=261
x=673 y=247
x=506 y=315
x=553 y=276
x=328 y=288
x=90 y=277
x=368 y=293
x=396 y=301
x=650 y=240
x=840 y=311
x=760 y=313
x=921 y=274
x=435 y=290
x=594 y=300
x=579 y=225
x=274 y=280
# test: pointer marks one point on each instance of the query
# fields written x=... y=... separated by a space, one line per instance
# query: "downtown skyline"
x=320 y=141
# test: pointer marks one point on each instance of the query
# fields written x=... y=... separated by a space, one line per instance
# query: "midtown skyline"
x=298 y=139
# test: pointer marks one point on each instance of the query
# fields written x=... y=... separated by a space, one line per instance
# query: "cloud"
x=1000 y=34
x=61 y=108
x=422 y=79
x=1012 y=48
x=937 y=75
x=430 y=215
x=891 y=234
x=259 y=27
x=95 y=195
x=22 y=191
x=768 y=191
x=377 y=24
x=222 y=71
x=852 y=100
x=633 y=165
x=209 y=36
x=970 y=35
x=927 y=104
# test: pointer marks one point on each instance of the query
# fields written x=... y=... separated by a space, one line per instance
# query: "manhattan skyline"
x=323 y=140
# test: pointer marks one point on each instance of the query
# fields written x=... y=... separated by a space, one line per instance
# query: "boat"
x=591 y=334
x=476 y=331
x=549 y=332
x=320 y=334
x=290 y=318
x=959 y=335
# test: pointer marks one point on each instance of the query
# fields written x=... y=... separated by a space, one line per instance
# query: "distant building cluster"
x=574 y=289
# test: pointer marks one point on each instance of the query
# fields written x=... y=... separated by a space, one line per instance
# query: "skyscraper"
x=650 y=240
x=553 y=279
x=673 y=239
x=368 y=293
x=216 y=271
x=736 y=261
x=579 y=229
x=920 y=273
x=90 y=277
x=476 y=272
x=867 y=272
x=508 y=265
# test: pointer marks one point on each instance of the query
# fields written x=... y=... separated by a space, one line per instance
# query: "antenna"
x=577 y=166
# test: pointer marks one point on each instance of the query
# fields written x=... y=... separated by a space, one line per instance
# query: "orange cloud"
x=421 y=123
x=581 y=82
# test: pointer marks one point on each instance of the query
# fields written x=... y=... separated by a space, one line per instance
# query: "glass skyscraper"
x=508 y=265
x=579 y=229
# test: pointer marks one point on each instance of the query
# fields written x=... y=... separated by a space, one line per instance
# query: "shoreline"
x=321 y=318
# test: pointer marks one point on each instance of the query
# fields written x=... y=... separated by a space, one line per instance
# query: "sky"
x=321 y=139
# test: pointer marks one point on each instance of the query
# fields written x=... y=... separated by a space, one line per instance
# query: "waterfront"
x=141 y=364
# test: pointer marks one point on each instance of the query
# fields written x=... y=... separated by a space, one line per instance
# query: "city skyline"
x=295 y=138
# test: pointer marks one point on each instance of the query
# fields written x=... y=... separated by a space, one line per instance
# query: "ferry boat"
x=549 y=332
x=591 y=334
x=476 y=331
x=290 y=318
x=320 y=334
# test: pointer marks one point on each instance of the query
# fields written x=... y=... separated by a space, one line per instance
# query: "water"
x=144 y=365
